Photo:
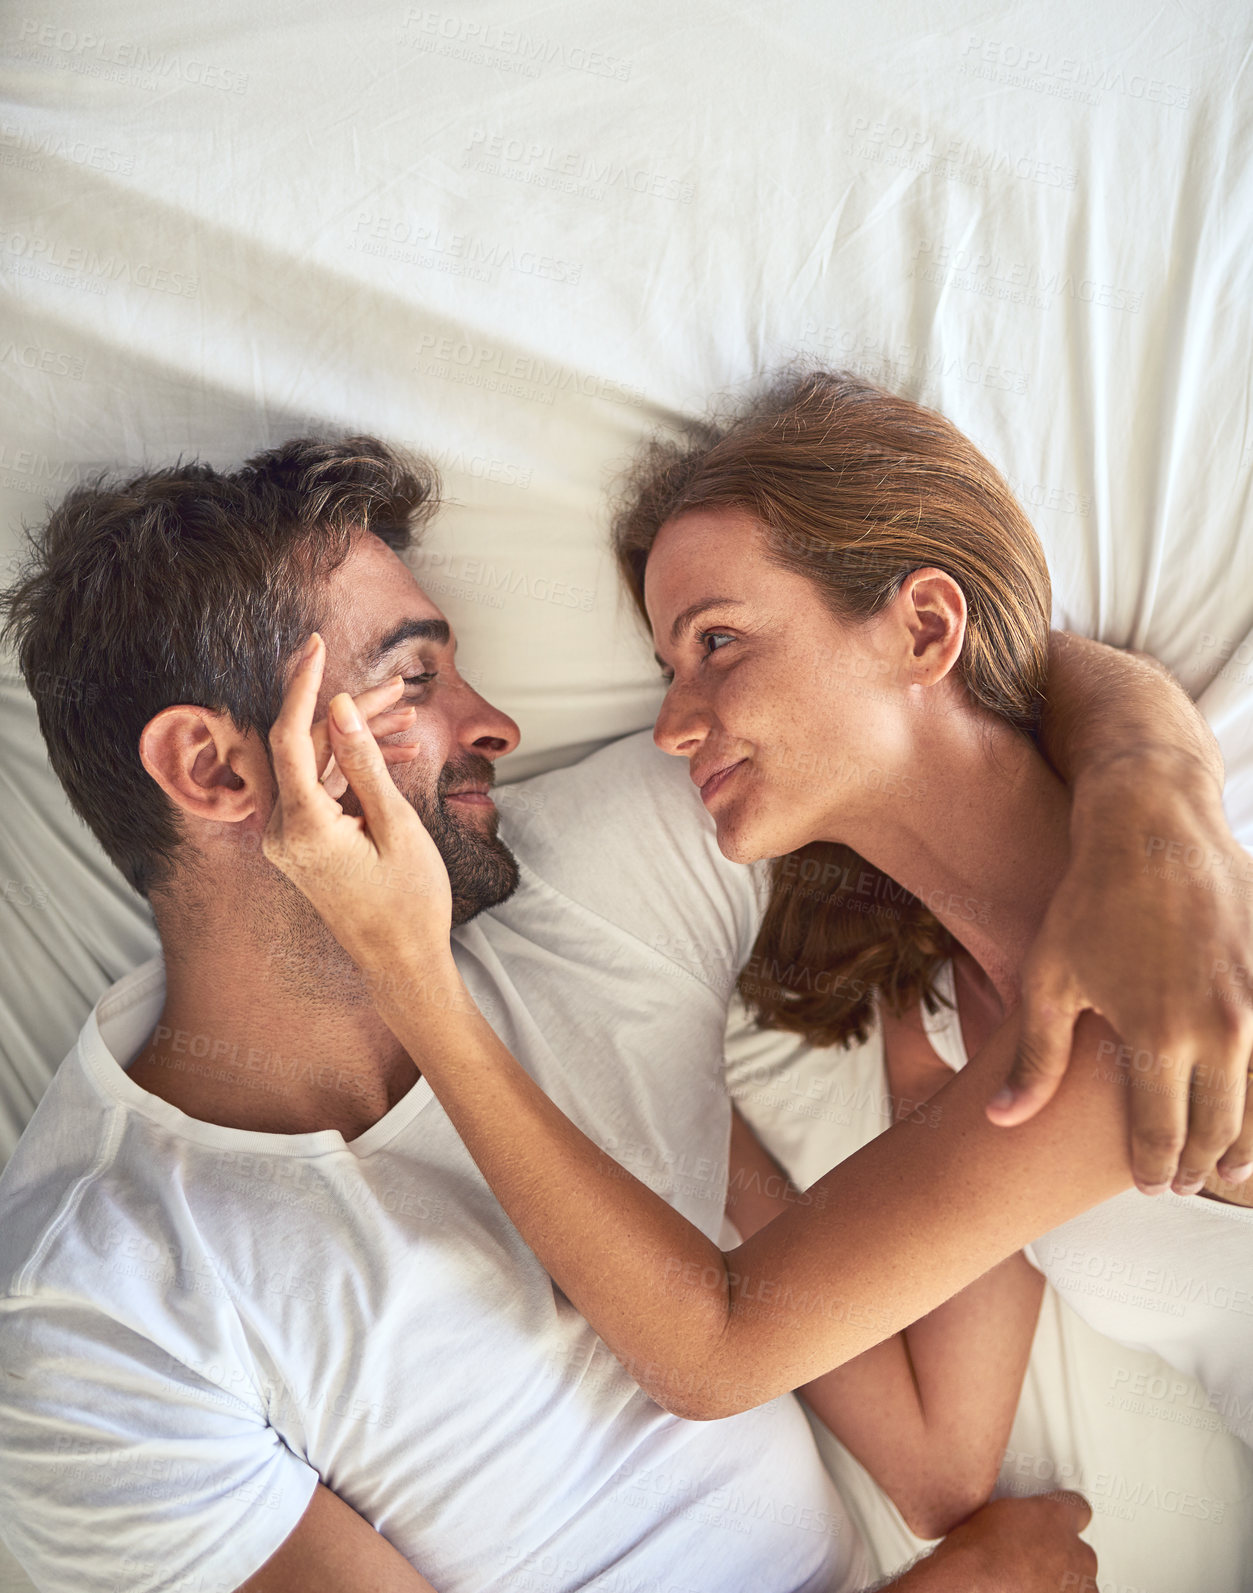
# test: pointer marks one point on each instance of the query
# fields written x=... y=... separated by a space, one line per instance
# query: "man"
x=264 y=1325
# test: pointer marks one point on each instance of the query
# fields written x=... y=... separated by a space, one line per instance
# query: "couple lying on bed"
x=279 y=1272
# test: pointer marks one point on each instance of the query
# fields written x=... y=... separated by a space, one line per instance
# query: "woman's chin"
x=740 y=841
x=750 y=838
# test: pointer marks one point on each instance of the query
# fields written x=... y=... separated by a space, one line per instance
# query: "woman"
x=852 y=613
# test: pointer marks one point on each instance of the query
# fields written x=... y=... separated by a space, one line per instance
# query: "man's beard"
x=481 y=869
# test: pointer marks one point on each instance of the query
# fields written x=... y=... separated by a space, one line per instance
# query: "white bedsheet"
x=1171 y=1489
x=517 y=236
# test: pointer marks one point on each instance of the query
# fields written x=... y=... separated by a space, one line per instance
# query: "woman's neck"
x=982 y=841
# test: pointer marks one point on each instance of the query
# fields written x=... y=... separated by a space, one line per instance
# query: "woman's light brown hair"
x=856 y=488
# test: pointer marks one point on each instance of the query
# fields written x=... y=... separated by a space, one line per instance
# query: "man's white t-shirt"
x=198 y=1323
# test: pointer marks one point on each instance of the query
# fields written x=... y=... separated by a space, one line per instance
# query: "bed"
x=517 y=237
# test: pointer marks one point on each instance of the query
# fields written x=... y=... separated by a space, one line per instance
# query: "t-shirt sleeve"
x=625 y=834
x=123 y=1469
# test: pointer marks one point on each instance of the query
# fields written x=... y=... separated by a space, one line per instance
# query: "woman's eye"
x=708 y=641
x=421 y=680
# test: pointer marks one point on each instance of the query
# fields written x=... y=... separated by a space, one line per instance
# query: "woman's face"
x=797 y=725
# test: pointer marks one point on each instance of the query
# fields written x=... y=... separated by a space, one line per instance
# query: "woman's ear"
x=934 y=612
x=205 y=764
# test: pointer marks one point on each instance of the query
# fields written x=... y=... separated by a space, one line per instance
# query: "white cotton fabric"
x=517 y=239
x=199 y=1322
x=1170 y=1274
x=1138 y=1390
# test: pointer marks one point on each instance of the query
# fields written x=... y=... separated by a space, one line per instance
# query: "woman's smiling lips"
x=718 y=778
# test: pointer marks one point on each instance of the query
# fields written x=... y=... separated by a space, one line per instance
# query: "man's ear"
x=934 y=612
x=206 y=765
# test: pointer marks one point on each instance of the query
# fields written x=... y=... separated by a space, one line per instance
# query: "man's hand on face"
x=1152 y=926
x=1012 y=1546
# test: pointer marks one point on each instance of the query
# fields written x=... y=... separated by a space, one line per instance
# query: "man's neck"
x=286 y=1046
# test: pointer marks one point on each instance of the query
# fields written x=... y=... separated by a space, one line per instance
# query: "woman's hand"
x=379 y=882
x=382 y=719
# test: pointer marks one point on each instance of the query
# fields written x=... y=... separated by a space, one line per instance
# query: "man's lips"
x=718 y=778
x=473 y=796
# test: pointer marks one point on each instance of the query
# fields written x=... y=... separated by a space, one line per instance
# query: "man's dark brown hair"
x=187 y=585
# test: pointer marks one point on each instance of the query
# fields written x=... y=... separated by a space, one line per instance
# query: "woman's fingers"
x=359 y=870
x=394 y=722
x=332 y=778
x=291 y=740
x=390 y=723
x=376 y=708
x=361 y=761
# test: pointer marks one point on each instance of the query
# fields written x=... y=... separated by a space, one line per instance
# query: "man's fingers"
x=1045 y=1038
x=1236 y=1164
x=1075 y=1506
x=1215 y=1118
x=1158 y=1083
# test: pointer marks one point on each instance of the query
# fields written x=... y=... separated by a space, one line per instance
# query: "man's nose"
x=485 y=729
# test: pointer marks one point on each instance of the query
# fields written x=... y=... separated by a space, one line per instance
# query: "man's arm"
x=1154 y=910
x=1029 y=1545
x=1106 y=701
x=334 y=1550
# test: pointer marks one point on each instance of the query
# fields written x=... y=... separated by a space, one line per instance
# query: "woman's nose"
x=681 y=724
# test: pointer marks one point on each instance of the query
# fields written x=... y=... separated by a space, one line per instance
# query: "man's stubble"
x=301 y=952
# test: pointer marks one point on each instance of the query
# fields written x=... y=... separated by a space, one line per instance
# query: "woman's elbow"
x=691 y=1407
x=702 y=1396
x=934 y=1510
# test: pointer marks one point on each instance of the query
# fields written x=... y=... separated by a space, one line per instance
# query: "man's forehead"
x=376 y=607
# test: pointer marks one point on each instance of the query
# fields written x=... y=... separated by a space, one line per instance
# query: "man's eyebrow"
x=410 y=630
x=689 y=615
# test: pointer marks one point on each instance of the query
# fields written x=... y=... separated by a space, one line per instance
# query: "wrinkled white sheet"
x=1171 y=1490
x=516 y=236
